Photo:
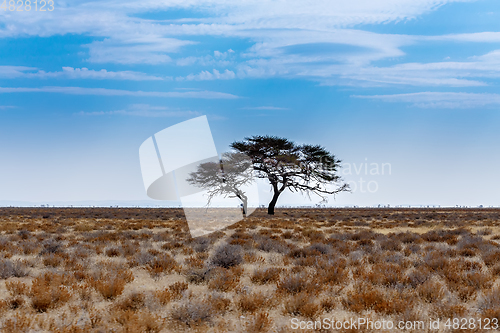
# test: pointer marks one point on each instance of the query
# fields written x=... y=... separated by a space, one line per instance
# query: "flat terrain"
x=139 y=270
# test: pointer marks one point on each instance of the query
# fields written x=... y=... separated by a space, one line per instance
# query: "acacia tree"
x=300 y=168
x=225 y=178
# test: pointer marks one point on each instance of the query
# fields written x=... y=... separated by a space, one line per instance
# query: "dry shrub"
x=4 y=305
x=227 y=256
x=479 y=280
x=132 y=302
x=162 y=264
x=304 y=253
x=9 y=268
x=253 y=258
x=109 y=286
x=80 y=273
x=219 y=302
x=296 y=283
x=202 y=244
x=408 y=237
x=52 y=259
x=83 y=291
x=48 y=291
x=266 y=275
x=467 y=252
x=29 y=247
x=172 y=292
x=489 y=304
x=391 y=245
x=163 y=296
x=271 y=245
x=385 y=274
x=15 y=302
x=492 y=313
x=194 y=262
x=154 y=252
x=241 y=242
x=437 y=236
x=223 y=280
x=466 y=278
x=431 y=291
x=418 y=275
x=302 y=304
x=333 y=273
x=140 y=259
x=308 y=261
x=129 y=248
x=19 y=323
x=177 y=289
x=17 y=288
x=192 y=312
x=113 y=252
x=252 y=302
x=491 y=258
x=446 y=310
x=495 y=270
x=436 y=261
x=328 y=304
x=261 y=322
x=365 y=297
x=138 y=322
x=197 y=275
x=51 y=246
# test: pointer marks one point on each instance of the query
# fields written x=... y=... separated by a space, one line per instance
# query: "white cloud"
x=141 y=49
x=277 y=29
x=207 y=60
x=449 y=100
x=129 y=39
x=144 y=110
x=206 y=75
x=75 y=73
x=11 y=72
x=205 y=94
x=472 y=73
x=478 y=37
x=5 y=107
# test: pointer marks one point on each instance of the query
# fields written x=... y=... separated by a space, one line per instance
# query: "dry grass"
x=138 y=270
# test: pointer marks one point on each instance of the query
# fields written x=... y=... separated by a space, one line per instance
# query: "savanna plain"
x=139 y=270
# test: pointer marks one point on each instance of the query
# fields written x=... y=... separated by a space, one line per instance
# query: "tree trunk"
x=270 y=208
x=245 y=207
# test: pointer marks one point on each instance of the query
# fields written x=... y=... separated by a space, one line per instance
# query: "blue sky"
x=410 y=83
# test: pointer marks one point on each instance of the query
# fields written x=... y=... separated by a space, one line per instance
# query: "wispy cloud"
x=270 y=25
x=144 y=110
x=264 y=108
x=145 y=49
x=450 y=100
x=278 y=31
x=206 y=76
x=75 y=73
x=220 y=59
x=205 y=94
x=477 y=37
x=5 y=107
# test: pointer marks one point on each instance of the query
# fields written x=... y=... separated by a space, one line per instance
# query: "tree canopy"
x=300 y=168
x=225 y=178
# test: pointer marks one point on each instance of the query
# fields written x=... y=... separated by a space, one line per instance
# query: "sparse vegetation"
x=138 y=270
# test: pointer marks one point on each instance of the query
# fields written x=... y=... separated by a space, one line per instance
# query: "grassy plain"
x=138 y=270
